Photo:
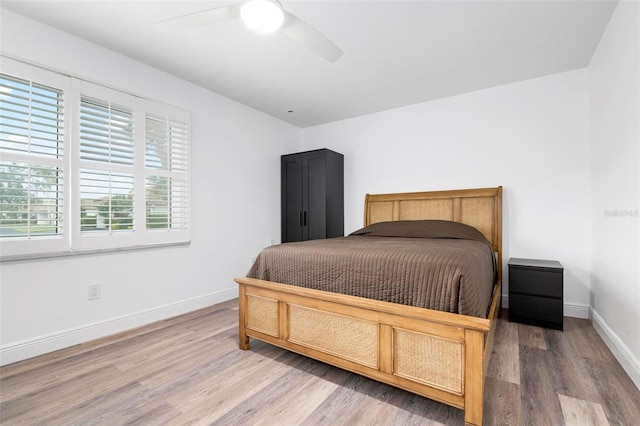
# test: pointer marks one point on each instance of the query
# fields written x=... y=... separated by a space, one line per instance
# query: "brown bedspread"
x=428 y=264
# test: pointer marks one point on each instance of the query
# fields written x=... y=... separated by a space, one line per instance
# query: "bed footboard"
x=438 y=355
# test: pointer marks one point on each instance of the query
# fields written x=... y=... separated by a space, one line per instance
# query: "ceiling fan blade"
x=309 y=37
x=199 y=19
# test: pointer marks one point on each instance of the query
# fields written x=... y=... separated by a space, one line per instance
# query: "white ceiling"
x=396 y=53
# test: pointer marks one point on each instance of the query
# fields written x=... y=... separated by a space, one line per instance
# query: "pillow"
x=423 y=229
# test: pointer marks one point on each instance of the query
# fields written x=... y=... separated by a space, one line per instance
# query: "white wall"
x=235 y=173
x=531 y=137
x=614 y=88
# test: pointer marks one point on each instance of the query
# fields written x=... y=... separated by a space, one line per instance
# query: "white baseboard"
x=629 y=363
x=29 y=348
x=569 y=309
x=576 y=311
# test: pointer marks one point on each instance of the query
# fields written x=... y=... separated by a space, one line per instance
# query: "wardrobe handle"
x=305 y=218
x=300 y=218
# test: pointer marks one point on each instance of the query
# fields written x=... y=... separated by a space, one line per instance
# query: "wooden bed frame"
x=439 y=355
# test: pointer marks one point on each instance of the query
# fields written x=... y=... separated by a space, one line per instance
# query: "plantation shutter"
x=166 y=173
x=107 y=166
x=31 y=170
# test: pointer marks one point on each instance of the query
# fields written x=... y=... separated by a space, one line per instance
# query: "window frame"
x=73 y=240
x=28 y=245
x=83 y=241
x=170 y=234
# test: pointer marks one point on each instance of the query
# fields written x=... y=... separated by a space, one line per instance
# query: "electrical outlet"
x=273 y=242
x=94 y=291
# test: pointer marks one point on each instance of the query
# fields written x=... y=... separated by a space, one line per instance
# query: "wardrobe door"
x=314 y=196
x=292 y=212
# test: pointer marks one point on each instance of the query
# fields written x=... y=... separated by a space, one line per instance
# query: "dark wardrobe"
x=312 y=195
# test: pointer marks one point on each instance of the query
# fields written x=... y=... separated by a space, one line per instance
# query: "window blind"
x=166 y=177
x=107 y=181
x=31 y=170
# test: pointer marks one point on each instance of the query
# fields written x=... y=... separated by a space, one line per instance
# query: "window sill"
x=53 y=255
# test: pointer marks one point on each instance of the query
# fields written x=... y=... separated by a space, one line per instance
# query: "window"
x=108 y=137
x=106 y=169
x=166 y=173
x=119 y=178
x=166 y=179
x=33 y=173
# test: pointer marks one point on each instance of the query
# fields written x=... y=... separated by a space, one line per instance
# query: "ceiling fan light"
x=262 y=15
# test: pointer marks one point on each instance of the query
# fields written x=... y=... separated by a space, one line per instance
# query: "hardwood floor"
x=189 y=370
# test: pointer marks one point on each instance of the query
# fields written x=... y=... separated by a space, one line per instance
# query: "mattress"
x=441 y=265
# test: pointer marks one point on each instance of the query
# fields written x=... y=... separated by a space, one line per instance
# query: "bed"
x=436 y=354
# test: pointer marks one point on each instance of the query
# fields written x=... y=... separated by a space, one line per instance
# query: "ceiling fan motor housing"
x=262 y=15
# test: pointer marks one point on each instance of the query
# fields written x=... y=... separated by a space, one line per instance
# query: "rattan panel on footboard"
x=347 y=337
x=429 y=359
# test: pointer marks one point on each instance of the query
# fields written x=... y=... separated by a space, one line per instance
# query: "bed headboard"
x=480 y=208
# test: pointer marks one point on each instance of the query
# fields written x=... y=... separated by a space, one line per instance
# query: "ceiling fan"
x=261 y=16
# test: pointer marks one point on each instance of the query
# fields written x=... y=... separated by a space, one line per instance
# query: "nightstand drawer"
x=535 y=281
x=535 y=310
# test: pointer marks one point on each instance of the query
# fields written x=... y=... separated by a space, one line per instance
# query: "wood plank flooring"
x=189 y=370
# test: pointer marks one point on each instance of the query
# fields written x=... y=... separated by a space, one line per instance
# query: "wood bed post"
x=242 y=323
x=473 y=377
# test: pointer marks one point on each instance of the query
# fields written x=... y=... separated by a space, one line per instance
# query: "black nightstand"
x=536 y=292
